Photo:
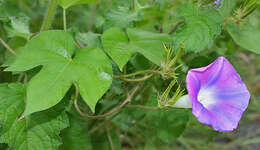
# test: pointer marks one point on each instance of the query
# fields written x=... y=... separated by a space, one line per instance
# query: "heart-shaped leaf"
x=116 y=43
x=90 y=69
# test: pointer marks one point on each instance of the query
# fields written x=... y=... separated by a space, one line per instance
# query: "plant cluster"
x=113 y=74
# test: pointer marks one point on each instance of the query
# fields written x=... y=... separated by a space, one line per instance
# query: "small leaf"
x=37 y=132
x=19 y=26
x=121 y=17
x=246 y=36
x=76 y=137
x=90 y=69
x=149 y=44
x=200 y=29
x=68 y=3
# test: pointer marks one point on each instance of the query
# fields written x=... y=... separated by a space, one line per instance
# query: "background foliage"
x=109 y=38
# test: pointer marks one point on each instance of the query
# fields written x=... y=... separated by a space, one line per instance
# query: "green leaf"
x=101 y=142
x=200 y=29
x=90 y=69
x=19 y=26
x=88 y=39
x=121 y=17
x=40 y=131
x=3 y=146
x=7 y=9
x=163 y=126
x=76 y=137
x=16 y=43
x=169 y=124
x=68 y=3
x=246 y=36
x=227 y=6
x=149 y=44
x=140 y=62
x=115 y=42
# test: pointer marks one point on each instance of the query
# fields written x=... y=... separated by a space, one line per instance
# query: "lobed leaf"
x=90 y=69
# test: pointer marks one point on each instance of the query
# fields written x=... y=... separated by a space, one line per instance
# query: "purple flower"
x=218 y=95
x=217 y=2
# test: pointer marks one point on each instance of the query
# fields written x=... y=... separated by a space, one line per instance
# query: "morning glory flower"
x=218 y=95
x=217 y=2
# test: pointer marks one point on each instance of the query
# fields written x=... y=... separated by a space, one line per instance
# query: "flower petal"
x=218 y=95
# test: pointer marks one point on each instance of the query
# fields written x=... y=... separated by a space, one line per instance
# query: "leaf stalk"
x=64 y=20
x=49 y=15
x=7 y=46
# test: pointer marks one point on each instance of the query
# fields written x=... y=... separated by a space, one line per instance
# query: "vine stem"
x=64 y=20
x=133 y=5
x=7 y=47
x=99 y=125
x=125 y=84
x=113 y=111
x=134 y=80
x=137 y=73
x=176 y=27
x=109 y=138
x=143 y=107
x=108 y=3
x=49 y=15
x=92 y=17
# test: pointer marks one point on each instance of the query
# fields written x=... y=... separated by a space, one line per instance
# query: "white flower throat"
x=206 y=97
